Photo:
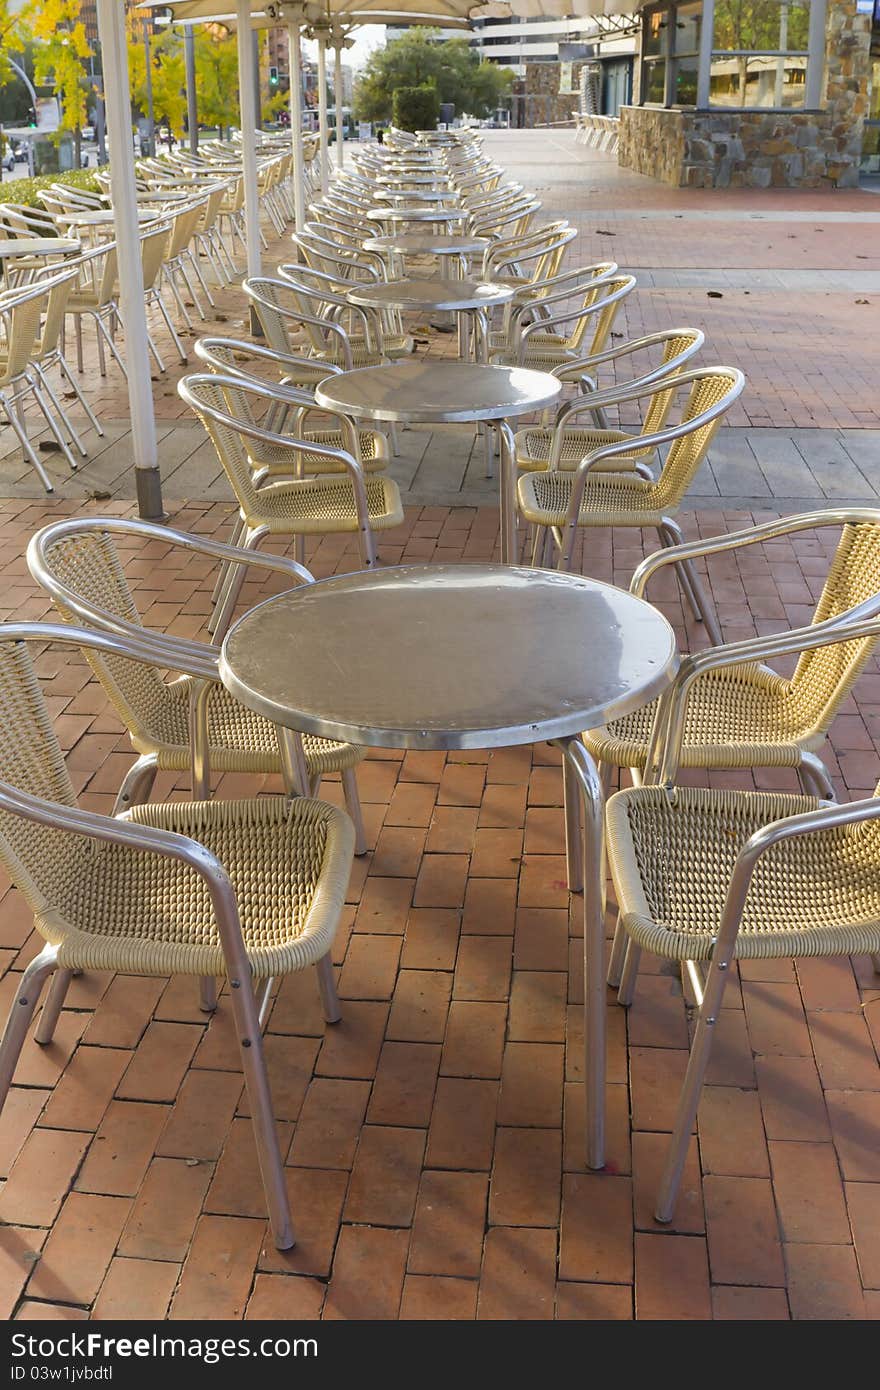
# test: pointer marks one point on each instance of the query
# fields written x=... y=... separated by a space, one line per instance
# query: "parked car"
x=8 y=160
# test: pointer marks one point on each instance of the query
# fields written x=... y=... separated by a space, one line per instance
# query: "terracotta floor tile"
x=422 y=767
x=809 y=1194
x=732 y=1061
x=384 y=905
x=370 y=968
x=316 y=1196
x=649 y=1154
x=791 y=1096
x=844 y=1053
x=657 y=1075
x=236 y=1188
x=385 y=1177
x=441 y=881
x=489 y=907
x=49 y=1312
x=827 y=982
x=42 y=1066
x=823 y=1282
x=86 y=1088
x=285 y=1298
x=79 y=1248
x=863 y=1204
x=526 y=1177
x=497 y=853
x=474 y=1042
x=855 y=1127
x=412 y=804
x=124 y=1012
x=290 y=1062
x=329 y=1123
x=537 y=1006
x=462 y=1132
x=744 y=1244
x=509 y=765
x=165 y=1211
x=519 y=1274
x=121 y=1150
x=17 y=1119
x=427 y=1297
x=594 y=1302
x=596 y=1231
x=398 y=852
x=503 y=806
x=732 y=1304
x=618 y=1159
x=545 y=787
x=542 y=881
x=135 y=1290
x=732 y=1133
x=540 y=940
x=448 y=1227
x=297 y=1007
x=352 y=1046
x=19 y=1250
x=368 y=1273
x=201 y=1115
x=531 y=1084
x=452 y=830
x=419 y=1007
x=672 y=1278
x=431 y=940
x=776 y=1019
x=461 y=784
x=482 y=970
x=160 y=1063
x=657 y=1015
x=40 y=1177
x=216 y=1278
x=403 y=1092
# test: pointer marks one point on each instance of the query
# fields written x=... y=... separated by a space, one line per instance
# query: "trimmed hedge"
x=24 y=191
x=416 y=108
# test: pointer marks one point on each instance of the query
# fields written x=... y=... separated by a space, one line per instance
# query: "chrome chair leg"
x=30 y=987
x=629 y=974
x=353 y=807
x=137 y=784
x=327 y=988
x=48 y=1020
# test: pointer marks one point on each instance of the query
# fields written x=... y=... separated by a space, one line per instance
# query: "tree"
x=167 y=71
x=14 y=34
x=420 y=58
x=58 y=59
x=217 y=76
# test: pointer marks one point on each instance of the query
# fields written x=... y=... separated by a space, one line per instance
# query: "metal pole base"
x=148 y=485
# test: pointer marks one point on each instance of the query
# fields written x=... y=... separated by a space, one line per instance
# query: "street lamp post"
x=192 y=118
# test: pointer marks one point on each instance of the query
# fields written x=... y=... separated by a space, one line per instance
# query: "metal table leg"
x=507 y=499
x=581 y=773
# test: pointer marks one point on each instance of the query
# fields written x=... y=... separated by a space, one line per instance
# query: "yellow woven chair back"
x=154 y=249
x=602 y=322
x=658 y=411
x=59 y=293
x=215 y=404
x=22 y=331
x=36 y=857
x=269 y=308
x=687 y=453
x=89 y=565
x=823 y=677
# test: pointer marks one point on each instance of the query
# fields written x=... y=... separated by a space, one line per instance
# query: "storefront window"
x=760 y=53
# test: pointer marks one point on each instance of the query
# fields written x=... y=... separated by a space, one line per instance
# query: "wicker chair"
x=740 y=713
x=310 y=506
x=562 y=501
x=77 y=562
x=95 y=297
x=558 y=446
x=243 y=889
x=534 y=346
x=320 y=296
x=21 y=311
x=716 y=876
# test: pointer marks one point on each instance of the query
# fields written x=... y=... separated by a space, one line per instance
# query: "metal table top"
x=449 y=656
x=13 y=247
x=419 y=195
x=99 y=218
x=418 y=214
x=438 y=393
x=416 y=244
x=431 y=294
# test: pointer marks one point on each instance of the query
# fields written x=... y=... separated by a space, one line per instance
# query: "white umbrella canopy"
x=568 y=9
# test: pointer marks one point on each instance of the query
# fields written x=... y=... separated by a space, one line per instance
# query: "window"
x=670 y=54
x=760 y=50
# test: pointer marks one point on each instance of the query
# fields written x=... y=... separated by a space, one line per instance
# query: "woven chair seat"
x=278 y=459
x=672 y=855
x=393 y=345
x=324 y=505
x=611 y=500
x=741 y=716
x=120 y=909
x=533 y=449
x=240 y=740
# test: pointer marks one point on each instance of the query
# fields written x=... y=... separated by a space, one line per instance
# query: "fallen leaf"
x=863 y=301
x=96 y=496
x=714 y=294
x=600 y=232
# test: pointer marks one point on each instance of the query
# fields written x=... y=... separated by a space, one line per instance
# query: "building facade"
x=753 y=93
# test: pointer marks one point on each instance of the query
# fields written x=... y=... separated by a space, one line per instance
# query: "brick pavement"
x=432 y=1137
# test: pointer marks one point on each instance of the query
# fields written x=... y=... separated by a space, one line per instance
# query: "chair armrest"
x=583 y=365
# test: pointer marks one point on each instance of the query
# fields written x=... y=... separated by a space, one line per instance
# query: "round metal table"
x=459 y=247
x=418 y=214
x=465 y=656
x=416 y=195
x=20 y=256
x=447 y=393
x=469 y=297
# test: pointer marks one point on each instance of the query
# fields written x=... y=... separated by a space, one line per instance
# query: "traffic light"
x=32 y=117
x=273 y=77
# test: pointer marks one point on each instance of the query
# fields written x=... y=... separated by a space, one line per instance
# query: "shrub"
x=24 y=191
x=416 y=108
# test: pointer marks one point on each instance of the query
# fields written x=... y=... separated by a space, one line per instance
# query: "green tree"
x=418 y=59
x=14 y=35
x=167 y=70
x=217 y=76
x=58 y=60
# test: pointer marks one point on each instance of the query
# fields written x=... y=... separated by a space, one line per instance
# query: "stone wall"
x=543 y=103
x=763 y=149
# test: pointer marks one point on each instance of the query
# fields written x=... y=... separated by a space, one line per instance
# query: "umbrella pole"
x=337 y=89
x=192 y=117
x=117 y=99
x=294 y=40
x=322 y=112
x=247 y=97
